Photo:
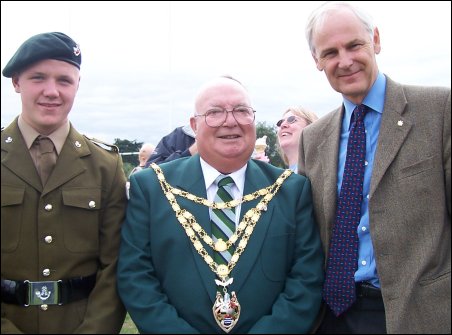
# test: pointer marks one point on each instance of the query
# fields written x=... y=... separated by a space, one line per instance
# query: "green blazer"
x=81 y=208
x=168 y=288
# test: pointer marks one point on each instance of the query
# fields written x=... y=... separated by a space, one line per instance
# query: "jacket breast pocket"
x=417 y=168
x=12 y=209
x=83 y=208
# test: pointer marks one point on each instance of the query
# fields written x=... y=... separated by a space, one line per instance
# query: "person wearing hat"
x=63 y=202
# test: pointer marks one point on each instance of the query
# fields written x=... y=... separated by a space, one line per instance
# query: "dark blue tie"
x=339 y=287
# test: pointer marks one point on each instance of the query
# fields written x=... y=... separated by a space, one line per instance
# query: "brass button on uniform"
x=48 y=239
x=46 y=272
x=48 y=207
x=44 y=307
x=92 y=204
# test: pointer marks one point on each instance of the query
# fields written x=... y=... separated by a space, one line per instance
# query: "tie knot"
x=359 y=112
x=45 y=144
x=222 y=180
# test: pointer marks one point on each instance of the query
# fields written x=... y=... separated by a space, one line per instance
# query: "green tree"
x=262 y=128
x=129 y=153
x=127 y=168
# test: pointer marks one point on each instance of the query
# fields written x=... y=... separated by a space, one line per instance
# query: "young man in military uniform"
x=60 y=220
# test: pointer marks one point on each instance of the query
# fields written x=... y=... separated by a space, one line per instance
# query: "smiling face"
x=228 y=147
x=47 y=89
x=346 y=52
x=289 y=133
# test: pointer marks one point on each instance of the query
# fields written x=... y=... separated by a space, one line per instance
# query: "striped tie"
x=223 y=220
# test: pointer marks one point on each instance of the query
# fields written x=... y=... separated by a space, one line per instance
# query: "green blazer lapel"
x=16 y=158
x=69 y=164
x=254 y=180
x=191 y=180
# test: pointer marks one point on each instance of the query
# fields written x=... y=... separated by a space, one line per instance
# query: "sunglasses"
x=290 y=119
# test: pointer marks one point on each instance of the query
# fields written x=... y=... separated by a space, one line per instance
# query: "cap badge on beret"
x=77 y=50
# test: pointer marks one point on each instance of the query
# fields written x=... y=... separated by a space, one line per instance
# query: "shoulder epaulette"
x=102 y=144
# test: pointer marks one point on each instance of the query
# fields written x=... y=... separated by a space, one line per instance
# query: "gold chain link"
x=193 y=229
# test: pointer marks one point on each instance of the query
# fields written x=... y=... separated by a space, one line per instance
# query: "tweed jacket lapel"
x=393 y=131
x=329 y=148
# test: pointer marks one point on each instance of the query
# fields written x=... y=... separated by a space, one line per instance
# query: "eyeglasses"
x=215 y=117
x=291 y=119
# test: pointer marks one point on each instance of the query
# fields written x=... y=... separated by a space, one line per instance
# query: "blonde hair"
x=302 y=113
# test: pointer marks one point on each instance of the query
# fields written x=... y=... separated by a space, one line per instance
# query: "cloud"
x=143 y=62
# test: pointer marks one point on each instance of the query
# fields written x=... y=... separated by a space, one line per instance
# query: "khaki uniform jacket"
x=409 y=202
x=81 y=207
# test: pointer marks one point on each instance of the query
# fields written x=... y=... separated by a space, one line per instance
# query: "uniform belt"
x=58 y=292
x=367 y=290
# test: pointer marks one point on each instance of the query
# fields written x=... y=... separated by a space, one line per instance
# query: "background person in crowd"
x=63 y=202
x=259 y=149
x=289 y=131
x=177 y=275
x=145 y=152
x=179 y=143
x=396 y=214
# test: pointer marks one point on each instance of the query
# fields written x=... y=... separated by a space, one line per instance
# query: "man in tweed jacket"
x=403 y=271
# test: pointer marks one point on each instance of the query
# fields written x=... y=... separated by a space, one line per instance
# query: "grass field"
x=129 y=327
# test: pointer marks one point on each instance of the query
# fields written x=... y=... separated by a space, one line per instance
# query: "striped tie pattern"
x=223 y=220
x=339 y=288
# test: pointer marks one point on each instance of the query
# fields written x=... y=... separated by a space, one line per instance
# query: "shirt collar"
x=374 y=99
x=210 y=174
x=29 y=134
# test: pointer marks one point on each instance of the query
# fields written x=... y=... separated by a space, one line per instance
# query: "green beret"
x=44 y=46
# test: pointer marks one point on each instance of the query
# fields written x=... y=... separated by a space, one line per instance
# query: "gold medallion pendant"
x=226 y=310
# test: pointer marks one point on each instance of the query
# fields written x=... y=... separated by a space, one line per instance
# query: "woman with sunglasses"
x=289 y=131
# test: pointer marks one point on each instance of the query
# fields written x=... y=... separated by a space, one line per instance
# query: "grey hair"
x=318 y=16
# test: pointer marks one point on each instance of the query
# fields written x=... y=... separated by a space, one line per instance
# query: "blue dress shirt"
x=367 y=270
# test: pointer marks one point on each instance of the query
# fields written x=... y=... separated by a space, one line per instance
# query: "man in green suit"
x=61 y=229
x=168 y=275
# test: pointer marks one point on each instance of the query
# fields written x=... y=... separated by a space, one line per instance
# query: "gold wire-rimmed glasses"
x=215 y=117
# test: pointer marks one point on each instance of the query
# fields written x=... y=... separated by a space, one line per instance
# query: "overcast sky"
x=143 y=62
